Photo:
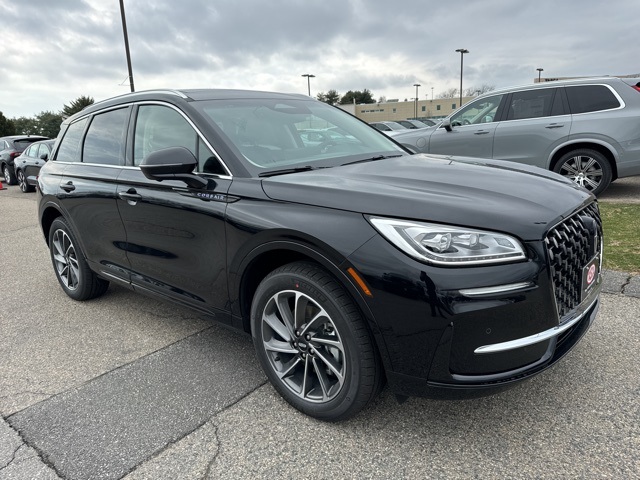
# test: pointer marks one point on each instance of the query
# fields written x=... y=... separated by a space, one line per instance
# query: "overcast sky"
x=53 y=51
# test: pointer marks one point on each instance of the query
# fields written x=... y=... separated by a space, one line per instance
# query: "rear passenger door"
x=536 y=121
x=93 y=150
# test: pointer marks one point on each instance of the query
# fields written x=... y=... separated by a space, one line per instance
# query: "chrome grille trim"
x=571 y=245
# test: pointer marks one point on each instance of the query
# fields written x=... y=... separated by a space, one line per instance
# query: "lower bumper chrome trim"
x=536 y=338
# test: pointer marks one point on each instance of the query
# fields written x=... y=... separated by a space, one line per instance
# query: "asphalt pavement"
x=126 y=387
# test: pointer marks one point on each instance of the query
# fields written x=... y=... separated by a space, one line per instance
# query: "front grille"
x=571 y=245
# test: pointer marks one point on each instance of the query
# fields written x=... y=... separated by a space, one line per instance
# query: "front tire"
x=22 y=182
x=587 y=168
x=313 y=344
x=74 y=275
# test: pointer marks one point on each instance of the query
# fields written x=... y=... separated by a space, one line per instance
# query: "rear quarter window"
x=591 y=98
x=69 y=150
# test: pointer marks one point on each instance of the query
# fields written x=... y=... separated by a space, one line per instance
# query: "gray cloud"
x=54 y=51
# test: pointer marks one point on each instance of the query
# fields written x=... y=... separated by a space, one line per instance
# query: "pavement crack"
x=626 y=284
x=213 y=460
x=13 y=457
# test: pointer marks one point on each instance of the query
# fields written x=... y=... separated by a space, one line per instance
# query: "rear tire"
x=9 y=176
x=588 y=168
x=313 y=344
x=22 y=182
x=76 y=278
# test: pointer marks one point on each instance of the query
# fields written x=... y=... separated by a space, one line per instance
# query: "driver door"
x=472 y=130
x=175 y=234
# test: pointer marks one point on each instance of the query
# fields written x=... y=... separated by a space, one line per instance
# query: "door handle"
x=68 y=187
x=481 y=132
x=131 y=196
x=555 y=125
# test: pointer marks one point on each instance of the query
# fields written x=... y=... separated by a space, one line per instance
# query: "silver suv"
x=586 y=129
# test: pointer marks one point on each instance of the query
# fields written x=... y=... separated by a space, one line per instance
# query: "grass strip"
x=621 y=226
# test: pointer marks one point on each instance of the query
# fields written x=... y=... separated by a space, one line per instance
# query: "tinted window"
x=20 y=145
x=159 y=127
x=591 y=98
x=531 y=104
x=32 y=151
x=105 y=138
x=43 y=150
x=69 y=150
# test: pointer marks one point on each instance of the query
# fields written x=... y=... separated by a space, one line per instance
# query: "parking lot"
x=124 y=386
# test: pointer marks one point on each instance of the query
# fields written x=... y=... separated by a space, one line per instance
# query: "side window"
x=43 y=149
x=480 y=111
x=591 y=98
x=105 y=138
x=159 y=127
x=69 y=150
x=531 y=104
x=31 y=151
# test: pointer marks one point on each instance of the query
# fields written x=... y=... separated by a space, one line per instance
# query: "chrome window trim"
x=198 y=132
x=533 y=339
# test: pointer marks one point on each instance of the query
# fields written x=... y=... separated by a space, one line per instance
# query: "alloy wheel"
x=584 y=170
x=22 y=181
x=303 y=346
x=65 y=259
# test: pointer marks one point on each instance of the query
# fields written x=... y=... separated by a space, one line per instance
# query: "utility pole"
x=126 y=45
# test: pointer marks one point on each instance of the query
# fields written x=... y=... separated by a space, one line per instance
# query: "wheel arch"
x=606 y=150
x=49 y=214
x=269 y=256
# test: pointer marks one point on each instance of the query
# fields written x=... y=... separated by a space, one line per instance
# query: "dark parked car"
x=414 y=124
x=10 y=148
x=585 y=129
x=349 y=263
x=28 y=164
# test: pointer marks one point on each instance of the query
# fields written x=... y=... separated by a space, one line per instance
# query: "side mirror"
x=173 y=163
x=44 y=156
x=446 y=123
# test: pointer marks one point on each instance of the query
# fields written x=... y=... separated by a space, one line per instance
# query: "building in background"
x=392 y=110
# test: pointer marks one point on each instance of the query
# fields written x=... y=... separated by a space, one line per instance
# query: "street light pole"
x=432 y=94
x=462 y=52
x=540 y=70
x=415 y=115
x=126 y=45
x=309 y=77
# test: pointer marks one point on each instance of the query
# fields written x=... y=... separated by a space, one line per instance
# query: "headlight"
x=446 y=245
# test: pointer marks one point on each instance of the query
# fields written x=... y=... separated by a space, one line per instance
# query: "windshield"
x=281 y=133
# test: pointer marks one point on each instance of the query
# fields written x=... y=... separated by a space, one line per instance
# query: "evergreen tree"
x=77 y=105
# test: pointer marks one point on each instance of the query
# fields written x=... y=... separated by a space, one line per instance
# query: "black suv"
x=350 y=261
x=10 y=148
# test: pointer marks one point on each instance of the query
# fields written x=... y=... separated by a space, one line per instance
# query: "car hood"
x=490 y=194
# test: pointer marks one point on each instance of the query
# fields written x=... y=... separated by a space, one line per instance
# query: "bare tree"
x=451 y=93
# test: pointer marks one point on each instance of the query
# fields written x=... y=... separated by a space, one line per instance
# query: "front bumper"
x=439 y=342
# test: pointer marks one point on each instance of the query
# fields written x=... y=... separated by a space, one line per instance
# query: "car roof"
x=559 y=83
x=185 y=95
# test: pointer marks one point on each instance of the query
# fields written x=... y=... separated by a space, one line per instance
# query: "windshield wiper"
x=284 y=171
x=371 y=159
